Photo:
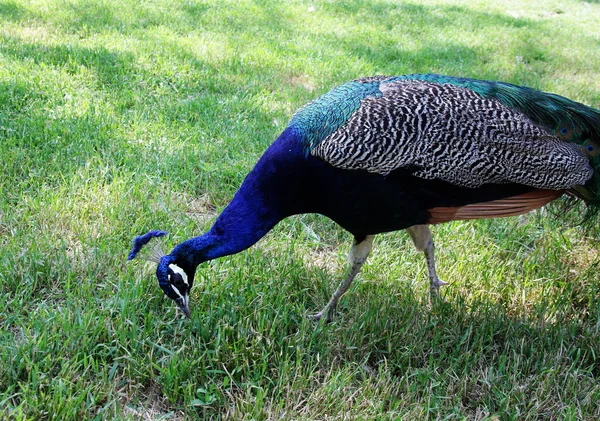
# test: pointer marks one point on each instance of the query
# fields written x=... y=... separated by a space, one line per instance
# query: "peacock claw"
x=434 y=288
x=434 y=292
x=318 y=316
x=436 y=284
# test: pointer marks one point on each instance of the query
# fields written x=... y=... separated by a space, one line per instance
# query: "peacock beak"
x=183 y=303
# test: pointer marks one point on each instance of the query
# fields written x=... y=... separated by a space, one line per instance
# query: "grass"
x=120 y=117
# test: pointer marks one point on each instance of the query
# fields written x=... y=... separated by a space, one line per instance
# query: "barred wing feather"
x=451 y=133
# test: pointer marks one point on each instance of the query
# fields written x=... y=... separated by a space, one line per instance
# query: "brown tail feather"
x=509 y=206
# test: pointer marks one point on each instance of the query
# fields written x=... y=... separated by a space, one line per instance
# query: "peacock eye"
x=564 y=130
x=590 y=148
x=176 y=279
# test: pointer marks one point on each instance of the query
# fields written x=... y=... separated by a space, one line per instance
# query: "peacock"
x=387 y=153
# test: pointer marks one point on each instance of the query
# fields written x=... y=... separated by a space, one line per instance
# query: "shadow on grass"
x=110 y=66
x=12 y=11
x=92 y=15
x=118 y=71
x=273 y=26
x=382 y=329
x=438 y=16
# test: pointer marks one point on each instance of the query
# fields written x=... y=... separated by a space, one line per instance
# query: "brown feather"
x=509 y=206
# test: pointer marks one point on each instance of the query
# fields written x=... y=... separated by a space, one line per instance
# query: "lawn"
x=117 y=117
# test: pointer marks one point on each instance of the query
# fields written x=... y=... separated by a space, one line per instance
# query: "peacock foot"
x=435 y=285
x=327 y=313
x=434 y=291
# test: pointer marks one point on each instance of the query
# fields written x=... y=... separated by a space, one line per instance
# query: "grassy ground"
x=117 y=117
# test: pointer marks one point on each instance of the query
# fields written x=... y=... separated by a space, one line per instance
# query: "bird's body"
x=389 y=153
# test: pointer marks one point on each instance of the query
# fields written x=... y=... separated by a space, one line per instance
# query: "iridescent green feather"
x=323 y=116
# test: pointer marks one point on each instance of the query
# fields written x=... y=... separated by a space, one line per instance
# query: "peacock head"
x=175 y=281
x=175 y=275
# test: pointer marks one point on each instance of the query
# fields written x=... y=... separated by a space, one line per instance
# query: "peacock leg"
x=421 y=236
x=357 y=256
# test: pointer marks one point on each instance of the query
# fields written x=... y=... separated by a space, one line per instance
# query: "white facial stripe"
x=180 y=271
x=177 y=291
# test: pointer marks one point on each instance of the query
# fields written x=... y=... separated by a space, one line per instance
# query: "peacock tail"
x=465 y=131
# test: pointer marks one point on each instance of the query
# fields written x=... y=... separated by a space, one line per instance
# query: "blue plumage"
x=389 y=153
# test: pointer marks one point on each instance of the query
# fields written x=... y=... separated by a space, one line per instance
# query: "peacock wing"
x=452 y=133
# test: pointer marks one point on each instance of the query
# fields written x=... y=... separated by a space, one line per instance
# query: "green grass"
x=117 y=117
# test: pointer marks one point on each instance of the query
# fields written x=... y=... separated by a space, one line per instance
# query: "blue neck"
x=243 y=222
x=256 y=208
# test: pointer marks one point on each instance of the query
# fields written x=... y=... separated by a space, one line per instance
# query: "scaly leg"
x=421 y=236
x=358 y=254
